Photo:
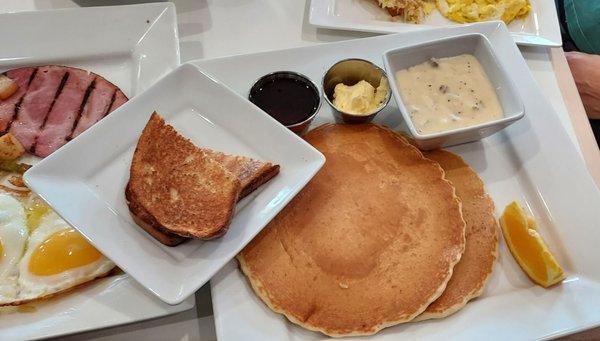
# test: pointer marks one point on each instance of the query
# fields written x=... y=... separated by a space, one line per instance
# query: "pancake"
x=481 y=249
x=369 y=243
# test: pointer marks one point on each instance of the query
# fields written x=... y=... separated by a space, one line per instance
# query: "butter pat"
x=361 y=98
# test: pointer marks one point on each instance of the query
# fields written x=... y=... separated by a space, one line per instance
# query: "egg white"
x=13 y=237
x=33 y=286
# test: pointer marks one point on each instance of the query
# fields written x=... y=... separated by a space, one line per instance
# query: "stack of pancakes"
x=382 y=235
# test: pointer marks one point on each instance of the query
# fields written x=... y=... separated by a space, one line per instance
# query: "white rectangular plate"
x=132 y=46
x=532 y=161
x=94 y=170
x=540 y=27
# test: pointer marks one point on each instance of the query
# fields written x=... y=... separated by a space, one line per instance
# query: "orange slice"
x=528 y=248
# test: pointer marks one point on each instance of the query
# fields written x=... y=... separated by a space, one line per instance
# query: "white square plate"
x=540 y=27
x=132 y=46
x=94 y=170
x=532 y=161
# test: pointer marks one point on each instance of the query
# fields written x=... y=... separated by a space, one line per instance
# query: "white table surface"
x=216 y=28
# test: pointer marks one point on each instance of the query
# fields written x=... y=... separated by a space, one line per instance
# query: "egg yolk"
x=62 y=251
x=1 y=250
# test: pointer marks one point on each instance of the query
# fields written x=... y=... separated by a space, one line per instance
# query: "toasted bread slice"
x=251 y=173
x=176 y=187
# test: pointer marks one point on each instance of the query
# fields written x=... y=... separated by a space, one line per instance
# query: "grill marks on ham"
x=38 y=101
x=61 y=119
x=9 y=107
x=120 y=99
x=54 y=104
x=97 y=106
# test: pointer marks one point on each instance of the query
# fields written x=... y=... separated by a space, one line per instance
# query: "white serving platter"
x=532 y=161
x=132 y=46
x=540 y=27
x=210 y=115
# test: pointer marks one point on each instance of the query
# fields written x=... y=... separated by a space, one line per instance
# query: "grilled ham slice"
x=55 y=104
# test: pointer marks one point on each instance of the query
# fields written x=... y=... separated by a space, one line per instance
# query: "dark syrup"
x=288 y=98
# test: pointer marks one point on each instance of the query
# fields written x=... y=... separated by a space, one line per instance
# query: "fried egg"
x=465 y=11
x=56 y=256
x=13 y=237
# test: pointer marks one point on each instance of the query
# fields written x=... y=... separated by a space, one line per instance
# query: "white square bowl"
x=475 y=44
x=85 y=181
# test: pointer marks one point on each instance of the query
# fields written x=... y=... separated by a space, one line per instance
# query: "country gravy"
x=448 y=93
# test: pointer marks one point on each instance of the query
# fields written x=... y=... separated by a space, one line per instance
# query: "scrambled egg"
x=465 y=11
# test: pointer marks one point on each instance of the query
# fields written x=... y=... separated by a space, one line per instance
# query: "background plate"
x=532 y=161
x=540 y=27
x=132 y=46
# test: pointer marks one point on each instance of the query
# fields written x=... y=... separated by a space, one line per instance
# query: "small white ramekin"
x=477 y=45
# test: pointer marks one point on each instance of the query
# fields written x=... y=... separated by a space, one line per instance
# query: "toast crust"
x=147 y=222
x=265 y=174
x=251 y=173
